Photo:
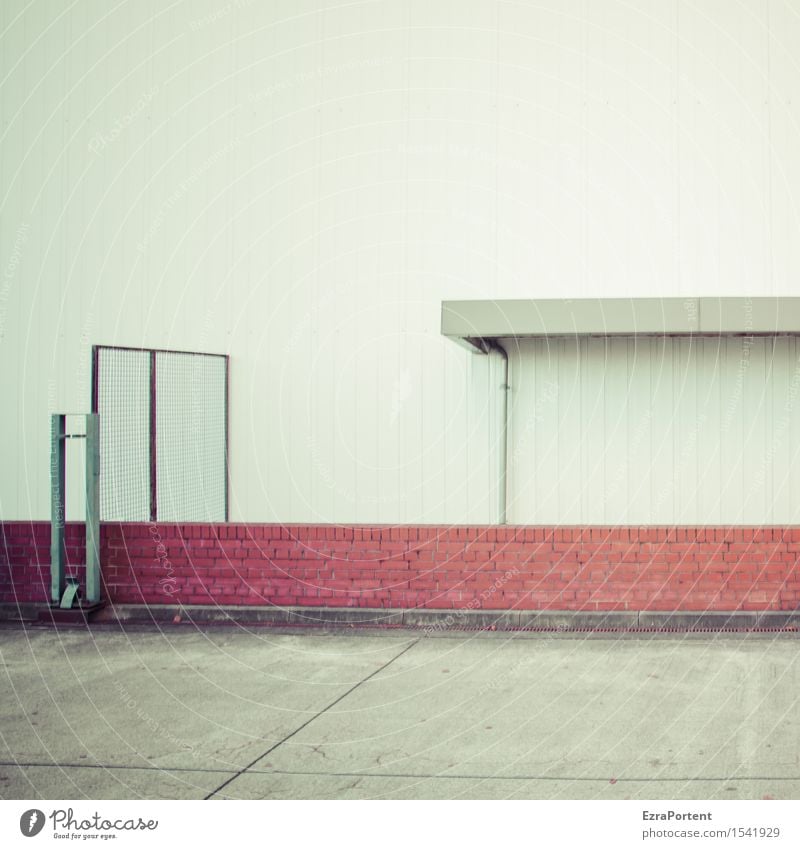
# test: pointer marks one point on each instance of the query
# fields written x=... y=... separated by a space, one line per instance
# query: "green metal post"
x=92 y=508
x=58 y=554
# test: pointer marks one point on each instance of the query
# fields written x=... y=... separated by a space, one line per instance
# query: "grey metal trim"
x=93 y=508
x=471 y=322
x=58 y=454
x=58 y=582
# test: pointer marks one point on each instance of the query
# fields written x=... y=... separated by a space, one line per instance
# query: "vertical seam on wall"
x=497 y=155
x=677 y=142
x=769 y=430
x=585 y=145
x=401 y=502
x=770 y=262
x=315 y=494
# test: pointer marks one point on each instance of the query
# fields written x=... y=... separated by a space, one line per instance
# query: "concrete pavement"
x=179 y=712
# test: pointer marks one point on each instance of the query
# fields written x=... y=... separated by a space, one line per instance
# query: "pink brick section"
x=25 y=558
x=478 y=568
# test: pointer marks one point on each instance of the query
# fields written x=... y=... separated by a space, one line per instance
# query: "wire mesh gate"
x=163 y=434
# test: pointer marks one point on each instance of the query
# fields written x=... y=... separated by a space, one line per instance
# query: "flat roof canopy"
x=473 y=322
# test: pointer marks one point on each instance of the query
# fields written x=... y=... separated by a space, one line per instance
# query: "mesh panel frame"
x=123 y=396
x=190 y=437
x=163 y=434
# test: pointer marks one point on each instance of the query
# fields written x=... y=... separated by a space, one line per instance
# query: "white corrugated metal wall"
x=300 y=184
x=655 y=431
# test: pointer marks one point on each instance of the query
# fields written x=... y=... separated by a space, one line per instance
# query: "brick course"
x=475 y=567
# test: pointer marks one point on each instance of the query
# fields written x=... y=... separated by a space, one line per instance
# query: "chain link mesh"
x=190 y=427
x=123 y=401
x=190 y=437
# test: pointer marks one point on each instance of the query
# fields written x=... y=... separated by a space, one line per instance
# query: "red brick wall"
x=479 y=568
x=25 y=558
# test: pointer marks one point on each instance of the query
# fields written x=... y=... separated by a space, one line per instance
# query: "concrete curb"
x=433 y=620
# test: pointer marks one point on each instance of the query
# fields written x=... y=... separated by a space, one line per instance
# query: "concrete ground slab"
x=75 y=782
x=603 y=709
x=182 y=712
x=172 y=699
x=354 y=786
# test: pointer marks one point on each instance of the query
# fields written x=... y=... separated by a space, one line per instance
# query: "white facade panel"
x=300 y=185
x=663 y=431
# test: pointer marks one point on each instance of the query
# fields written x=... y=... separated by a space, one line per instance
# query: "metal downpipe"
x=494 y=345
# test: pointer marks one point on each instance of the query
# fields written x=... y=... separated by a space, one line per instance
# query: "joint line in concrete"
x=309 y=721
